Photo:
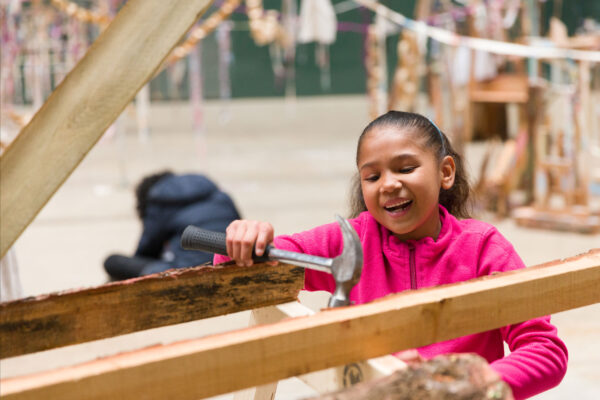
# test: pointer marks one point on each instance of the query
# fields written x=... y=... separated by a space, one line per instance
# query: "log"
x=254 y=356
x=445 y=377
x=171 y=297
x=123 y=58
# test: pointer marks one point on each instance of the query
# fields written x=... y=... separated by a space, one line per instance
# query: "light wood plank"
x=171 y=297
x=122 y=59
x=254 y=356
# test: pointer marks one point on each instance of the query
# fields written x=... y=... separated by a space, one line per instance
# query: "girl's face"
x=401 y=181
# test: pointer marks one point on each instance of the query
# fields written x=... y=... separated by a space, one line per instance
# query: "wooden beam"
x=172 y=297
x=254 y=356
x=121 y=60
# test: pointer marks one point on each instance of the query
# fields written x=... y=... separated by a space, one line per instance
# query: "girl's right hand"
x=242 y=236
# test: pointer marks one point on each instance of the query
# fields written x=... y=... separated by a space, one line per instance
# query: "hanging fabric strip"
x=225 y=59
x=317 y=21
x=195 y=74
x=322 y=56
x=289 y=22
x=142 y=112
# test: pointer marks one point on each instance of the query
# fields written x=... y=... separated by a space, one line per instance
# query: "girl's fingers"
x=265 y=236
x=237 y=236
x=244 y=236
x=410 y=356
x=247 y=243
x=229 y=234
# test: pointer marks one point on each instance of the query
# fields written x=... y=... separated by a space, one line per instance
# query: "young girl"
x=411 y=187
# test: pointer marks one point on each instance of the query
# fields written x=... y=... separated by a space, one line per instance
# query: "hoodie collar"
x=427 y=244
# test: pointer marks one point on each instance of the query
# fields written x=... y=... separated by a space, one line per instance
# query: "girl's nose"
x=390 y=183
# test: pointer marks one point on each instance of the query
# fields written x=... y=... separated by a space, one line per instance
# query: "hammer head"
x=347 y=267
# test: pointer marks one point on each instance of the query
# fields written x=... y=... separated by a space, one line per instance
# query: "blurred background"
x=267 y=99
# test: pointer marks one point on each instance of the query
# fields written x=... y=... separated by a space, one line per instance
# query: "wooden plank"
x=254 y=356
x=122 y=59
x=167 y=298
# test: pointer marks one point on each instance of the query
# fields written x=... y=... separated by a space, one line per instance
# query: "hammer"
x=345 y=268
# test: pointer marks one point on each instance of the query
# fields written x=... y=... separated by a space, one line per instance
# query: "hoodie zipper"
x=412 y=266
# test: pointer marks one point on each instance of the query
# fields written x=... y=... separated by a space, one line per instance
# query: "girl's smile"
x=401 y=181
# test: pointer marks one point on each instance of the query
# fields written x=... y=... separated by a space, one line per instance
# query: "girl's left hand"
x=410 y=356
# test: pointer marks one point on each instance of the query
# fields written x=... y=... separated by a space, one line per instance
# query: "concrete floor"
x=289 y=163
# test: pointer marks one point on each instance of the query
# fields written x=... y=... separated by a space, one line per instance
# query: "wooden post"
x=223 y=363
x=166 y=298
x=534 y=111
x=122 y=59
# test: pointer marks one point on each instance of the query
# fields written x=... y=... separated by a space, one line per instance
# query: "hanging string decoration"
x=203 y=30
x=372 y=65
x=264 y=25
x=444 y=36
x=81 y=14
x=405 y=83
x=198 y=33
x=225 y=60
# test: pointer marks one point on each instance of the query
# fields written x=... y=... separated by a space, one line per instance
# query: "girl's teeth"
x=398 y=206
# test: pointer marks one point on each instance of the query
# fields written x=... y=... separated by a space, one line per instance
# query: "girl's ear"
x=447 y=172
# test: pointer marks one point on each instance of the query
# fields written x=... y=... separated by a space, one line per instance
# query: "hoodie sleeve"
x=538 y=358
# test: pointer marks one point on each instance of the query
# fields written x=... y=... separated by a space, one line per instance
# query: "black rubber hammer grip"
x=194 y=238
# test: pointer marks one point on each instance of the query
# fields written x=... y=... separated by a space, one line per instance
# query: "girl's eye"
x=372 y=178
x=406 y=170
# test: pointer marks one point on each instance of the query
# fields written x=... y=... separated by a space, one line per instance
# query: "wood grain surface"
x=171 y=297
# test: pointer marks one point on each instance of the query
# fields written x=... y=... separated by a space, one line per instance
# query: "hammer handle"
x=194 y=238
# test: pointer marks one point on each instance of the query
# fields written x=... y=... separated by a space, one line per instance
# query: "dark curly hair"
x=455 y=199
x=143 y=188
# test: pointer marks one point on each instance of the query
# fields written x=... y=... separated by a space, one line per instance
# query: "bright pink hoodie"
x=465 y=249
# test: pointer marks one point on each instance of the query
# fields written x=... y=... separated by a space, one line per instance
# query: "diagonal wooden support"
x=123 y=58
x=172 y=297
x=254 y=356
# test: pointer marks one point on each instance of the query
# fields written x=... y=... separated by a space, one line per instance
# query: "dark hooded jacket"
x=173 y=203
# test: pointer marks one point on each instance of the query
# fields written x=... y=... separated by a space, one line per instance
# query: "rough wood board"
x=122 y=59
x=445 y=377
x=167 y=298
x=254 y=356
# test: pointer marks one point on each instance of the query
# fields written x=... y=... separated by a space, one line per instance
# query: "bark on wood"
x=227 y=362
x=123 y=58
x=446 y=377
x=172 y=297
